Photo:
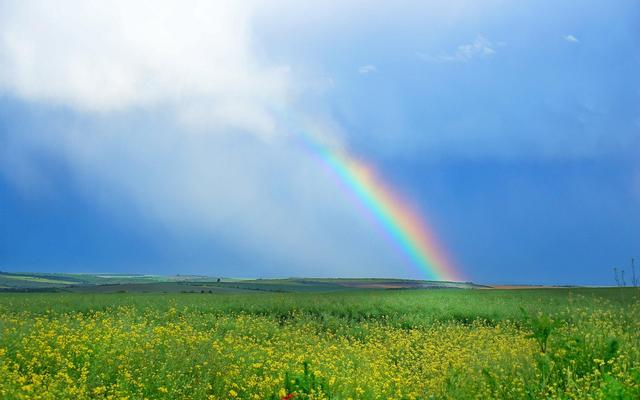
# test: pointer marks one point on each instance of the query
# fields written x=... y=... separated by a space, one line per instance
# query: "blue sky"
x=156 y=138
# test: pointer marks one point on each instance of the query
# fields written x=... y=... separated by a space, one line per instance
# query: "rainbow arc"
x=404 y=225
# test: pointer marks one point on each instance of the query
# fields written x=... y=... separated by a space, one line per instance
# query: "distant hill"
x=105 y=283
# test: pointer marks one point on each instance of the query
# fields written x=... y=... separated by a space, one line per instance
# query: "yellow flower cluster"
x=132 y=353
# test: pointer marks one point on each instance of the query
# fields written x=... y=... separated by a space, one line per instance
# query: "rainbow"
x=402 y=223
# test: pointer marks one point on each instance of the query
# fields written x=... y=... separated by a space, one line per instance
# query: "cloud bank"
x=210 y=154
x=104 y=57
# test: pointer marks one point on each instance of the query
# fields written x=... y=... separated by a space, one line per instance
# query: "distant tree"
x=218 y=280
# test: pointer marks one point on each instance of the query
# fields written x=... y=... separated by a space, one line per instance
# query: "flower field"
x=555 y=343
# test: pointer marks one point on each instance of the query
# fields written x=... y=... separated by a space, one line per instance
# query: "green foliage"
x=612 y=349
x=406 y=308
x=613 y=389
x=541 y=326
x=305 y=385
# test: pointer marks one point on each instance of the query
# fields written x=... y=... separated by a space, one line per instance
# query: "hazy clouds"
x=174 y=115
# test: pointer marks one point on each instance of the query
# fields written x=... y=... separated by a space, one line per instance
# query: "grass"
x=368 y=344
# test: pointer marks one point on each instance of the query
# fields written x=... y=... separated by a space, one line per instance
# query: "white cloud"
x=109 y=56
x=571 y=38
x=480 y=47
x=365 y=69
x=196 y=68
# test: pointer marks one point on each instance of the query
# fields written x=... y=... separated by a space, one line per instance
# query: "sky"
x=168 y=137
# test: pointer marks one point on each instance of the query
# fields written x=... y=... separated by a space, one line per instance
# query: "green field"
x=340 y=344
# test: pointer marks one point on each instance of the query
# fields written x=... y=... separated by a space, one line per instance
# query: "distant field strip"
x=36 y=279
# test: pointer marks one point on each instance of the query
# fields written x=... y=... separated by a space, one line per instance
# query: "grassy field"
x=357 y=343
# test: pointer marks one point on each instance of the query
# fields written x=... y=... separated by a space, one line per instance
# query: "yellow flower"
x=99 y=390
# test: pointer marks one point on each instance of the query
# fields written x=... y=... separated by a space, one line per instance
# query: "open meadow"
x=349 y=344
